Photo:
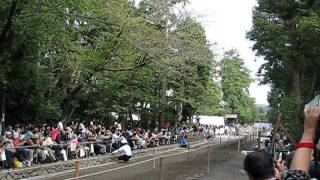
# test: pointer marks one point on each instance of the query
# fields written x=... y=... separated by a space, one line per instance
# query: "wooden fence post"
x=161 y=168
x=77 y=167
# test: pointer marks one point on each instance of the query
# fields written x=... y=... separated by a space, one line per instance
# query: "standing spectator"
x=182 y=137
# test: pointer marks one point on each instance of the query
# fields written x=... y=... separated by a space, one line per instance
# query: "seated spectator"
x=107 y=138
x=7 y=146
x=74 y=146
x=99 y=148
x=163 y=138
x=24 y=154
x=139 y=138
x=54 y=134
x=116 y=139
x=44 y=143
x=48 y=145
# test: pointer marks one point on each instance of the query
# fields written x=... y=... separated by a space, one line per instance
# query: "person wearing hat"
x=124 y=151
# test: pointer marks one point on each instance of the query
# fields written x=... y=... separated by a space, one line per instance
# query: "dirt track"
x=223 y=165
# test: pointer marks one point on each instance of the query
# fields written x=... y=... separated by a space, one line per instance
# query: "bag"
x=82 y=153
x=91 y=148
x=64 y=155
x=17 y=163
x=73 y=147
x=102 y=149
x=3 y=156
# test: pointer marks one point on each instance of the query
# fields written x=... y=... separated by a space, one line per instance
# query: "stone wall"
x=45 y=169
x=51 y=168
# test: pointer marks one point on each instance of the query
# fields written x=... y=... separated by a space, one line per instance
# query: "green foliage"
x=83 y=59
x=286 y=34
x=235 y=81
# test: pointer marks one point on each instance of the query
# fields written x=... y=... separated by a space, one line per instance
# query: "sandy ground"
x=222 y=165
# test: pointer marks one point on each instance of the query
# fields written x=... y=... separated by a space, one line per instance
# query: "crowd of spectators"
x=293 y=163
x=24 y=145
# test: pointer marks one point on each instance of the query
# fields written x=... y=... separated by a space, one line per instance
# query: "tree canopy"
x=286 y=34
x=77 y=60
x=235 y=82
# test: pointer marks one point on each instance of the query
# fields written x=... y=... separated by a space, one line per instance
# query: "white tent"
x=266 y=125
x=210 y=120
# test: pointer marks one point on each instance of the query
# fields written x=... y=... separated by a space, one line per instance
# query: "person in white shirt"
x=124 y=151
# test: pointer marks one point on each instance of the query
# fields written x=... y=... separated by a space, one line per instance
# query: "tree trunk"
x=313 y=83
x=67 y=106
x=121 y=120
x=3 y=103
x=297 y=95
x=179 y=109
x=163 y=101
x=131 y=120
x=296 y=87
x=275 y=132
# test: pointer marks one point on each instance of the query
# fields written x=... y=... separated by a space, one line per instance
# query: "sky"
x=226 y=23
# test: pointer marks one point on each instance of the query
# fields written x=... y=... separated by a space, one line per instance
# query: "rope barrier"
x=146 y=150
x=68 y=143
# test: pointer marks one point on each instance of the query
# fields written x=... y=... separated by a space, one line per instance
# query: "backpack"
x=17 y=163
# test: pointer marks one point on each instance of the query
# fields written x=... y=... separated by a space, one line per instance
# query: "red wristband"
x=305 y=145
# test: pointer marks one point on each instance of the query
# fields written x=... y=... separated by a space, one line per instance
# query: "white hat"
x=124 y=141
x=60 y=125
x=81 y=126
x=8 y=133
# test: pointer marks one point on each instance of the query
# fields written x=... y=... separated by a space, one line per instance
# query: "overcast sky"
x=226 y=22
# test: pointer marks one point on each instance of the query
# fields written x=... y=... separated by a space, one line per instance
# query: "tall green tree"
x=235 y=82
x=196 y=64
x=68 y=44
x=186 y=68
x=286 y=35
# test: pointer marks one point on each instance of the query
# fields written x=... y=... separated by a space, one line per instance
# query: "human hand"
x=279 y=169
x=280 y=165
x=311 y=118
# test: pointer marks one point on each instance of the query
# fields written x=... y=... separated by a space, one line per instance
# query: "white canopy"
x=266 y=125
x=231 y=116
x=210 y=120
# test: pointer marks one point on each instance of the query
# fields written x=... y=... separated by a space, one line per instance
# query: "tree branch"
x=145 y=61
